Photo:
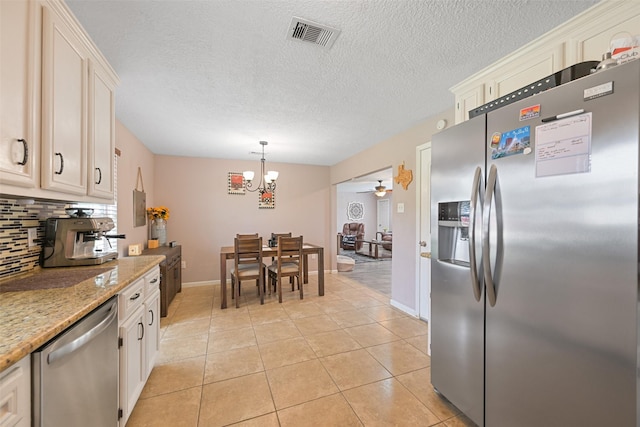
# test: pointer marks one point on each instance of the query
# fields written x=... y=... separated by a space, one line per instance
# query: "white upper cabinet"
x=18 y=84
x=101 y=142
x=586 y=37
x=57 y=106
x=65 y=76
x=528 y=70
x=467 y=100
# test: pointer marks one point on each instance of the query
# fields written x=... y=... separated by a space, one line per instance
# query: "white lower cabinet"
x=139 y=326
x=152 y=318
x=15 y=395
x=132 y=370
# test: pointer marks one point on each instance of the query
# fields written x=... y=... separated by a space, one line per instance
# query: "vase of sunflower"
x=158 y=223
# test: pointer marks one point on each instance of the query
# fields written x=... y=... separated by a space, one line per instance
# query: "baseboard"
x=203 y=283
x=217 y=282
x=403 y=307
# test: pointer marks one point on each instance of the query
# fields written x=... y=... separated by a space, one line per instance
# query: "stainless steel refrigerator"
x=535 y=277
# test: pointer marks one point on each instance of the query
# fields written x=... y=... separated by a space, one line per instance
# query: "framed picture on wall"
x=355 y=211
x=267 y=200
x=235 y=183
x=139 y=208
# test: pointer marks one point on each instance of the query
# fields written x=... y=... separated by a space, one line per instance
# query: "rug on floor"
x=385 y=256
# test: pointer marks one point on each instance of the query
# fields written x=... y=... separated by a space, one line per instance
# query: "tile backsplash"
x=19 y=215
x=16 y=217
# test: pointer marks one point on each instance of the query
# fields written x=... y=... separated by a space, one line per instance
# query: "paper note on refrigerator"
x=564 y=146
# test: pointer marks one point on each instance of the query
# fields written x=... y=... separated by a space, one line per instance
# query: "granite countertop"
x=56 y=299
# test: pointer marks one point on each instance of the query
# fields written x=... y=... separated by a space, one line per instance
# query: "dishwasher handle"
x=84 y=339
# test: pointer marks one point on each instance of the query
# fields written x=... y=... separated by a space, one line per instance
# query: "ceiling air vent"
x=312 y=32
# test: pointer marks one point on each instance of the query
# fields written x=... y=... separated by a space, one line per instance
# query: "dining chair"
x=274 y=242
x=247 y=266
x=246 y=236
x=274 y=237
x=288 y=264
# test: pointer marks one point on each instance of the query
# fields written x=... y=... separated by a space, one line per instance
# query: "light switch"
x=400 y=208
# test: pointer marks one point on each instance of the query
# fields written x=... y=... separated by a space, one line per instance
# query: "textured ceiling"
x=212 y=78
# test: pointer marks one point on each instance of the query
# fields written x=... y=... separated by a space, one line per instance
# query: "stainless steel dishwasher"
x=75 y=376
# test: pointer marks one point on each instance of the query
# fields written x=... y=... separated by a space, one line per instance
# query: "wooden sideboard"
x=170 y=274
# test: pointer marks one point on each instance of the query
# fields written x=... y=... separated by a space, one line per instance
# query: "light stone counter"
x=29 y=319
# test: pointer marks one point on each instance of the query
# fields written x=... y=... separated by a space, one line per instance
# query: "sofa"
x=351 y=233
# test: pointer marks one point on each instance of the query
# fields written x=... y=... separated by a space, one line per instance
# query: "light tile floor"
x=347 y=358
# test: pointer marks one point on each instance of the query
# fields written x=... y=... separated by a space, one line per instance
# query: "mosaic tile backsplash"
x=16 y=216
x=15 y=219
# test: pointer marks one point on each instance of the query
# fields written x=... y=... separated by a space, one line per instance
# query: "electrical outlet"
x=32 y=236
x=184 y=264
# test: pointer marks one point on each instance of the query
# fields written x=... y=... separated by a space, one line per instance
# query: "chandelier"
x=267 y=180
x=381 y=190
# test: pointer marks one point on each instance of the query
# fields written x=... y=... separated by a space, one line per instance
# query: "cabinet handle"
x=99 y=176
x=155 y=279
x=25 y=155
x=61 y=164
x=152 y=319
x=135 y=296
x=141 y=327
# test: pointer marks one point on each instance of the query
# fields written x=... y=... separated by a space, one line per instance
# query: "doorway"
x=375 y=211
x=423 y=213
x=383 y=216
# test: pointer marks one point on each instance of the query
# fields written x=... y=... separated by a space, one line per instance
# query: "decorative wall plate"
x=355 y=211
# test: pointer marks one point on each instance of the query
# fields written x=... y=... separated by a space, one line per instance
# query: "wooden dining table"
x=227 y=253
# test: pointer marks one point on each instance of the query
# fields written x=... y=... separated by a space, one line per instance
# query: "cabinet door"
x=18 y=153
x=152 y=331
x=64 y=101
x=101 y=133
x=468 y=101
x=15 y=394
x=170 y=283
x=178 y=275
x=594 y=45
x=527 y=70
x=132 y=367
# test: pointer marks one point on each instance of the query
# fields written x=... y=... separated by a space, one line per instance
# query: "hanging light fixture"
x=381 y=190
x=267 y=180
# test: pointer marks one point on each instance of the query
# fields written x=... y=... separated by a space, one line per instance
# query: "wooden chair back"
x=247 y=264
x=247 y=236
x=247 y=250
x=289 y=249
x=288 y=262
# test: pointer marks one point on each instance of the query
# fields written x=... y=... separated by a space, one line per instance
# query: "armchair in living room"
x=351 y=232
x=386 y=236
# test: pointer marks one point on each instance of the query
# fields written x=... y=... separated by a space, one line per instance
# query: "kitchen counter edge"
x=29 y=319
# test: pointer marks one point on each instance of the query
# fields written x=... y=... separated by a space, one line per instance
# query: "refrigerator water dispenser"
x=453 y=232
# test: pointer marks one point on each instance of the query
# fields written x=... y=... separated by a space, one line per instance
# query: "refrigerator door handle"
x=476 y=193
x=486 y=216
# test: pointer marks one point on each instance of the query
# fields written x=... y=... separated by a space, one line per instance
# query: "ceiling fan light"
x=380 y=193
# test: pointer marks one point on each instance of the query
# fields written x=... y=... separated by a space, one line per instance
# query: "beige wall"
x=204 y=217
x=133 y=154
x=392 y=152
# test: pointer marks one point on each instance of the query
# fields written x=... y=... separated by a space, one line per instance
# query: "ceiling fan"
x=379 y=190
